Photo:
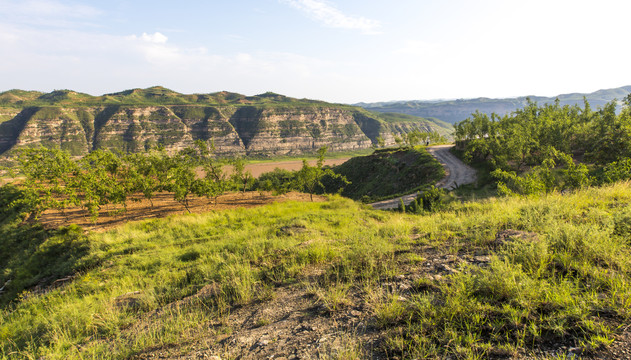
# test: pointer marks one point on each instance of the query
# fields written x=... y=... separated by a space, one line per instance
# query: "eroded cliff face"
x=295 y=130
x=136 y=129
x=211 y=124
x=234 y=130
x=54 y=128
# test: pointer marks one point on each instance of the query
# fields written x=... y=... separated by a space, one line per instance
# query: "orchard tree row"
x=52 y=179
x=316 y=179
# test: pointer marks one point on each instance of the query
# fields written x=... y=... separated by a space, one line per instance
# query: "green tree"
x=241 y=178
x=309 y=178
x=50 y=178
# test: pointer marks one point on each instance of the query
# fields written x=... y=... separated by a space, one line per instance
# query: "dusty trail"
x=458 y=173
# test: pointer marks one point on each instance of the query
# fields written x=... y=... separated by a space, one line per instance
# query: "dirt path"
x=458 y=173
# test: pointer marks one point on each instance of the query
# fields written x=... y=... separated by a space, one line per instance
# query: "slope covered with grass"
x=494 y=278
x=388 y=173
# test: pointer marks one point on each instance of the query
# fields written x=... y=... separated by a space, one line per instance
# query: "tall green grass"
x=163 y=282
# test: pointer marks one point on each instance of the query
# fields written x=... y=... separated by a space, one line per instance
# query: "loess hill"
x=140 y=119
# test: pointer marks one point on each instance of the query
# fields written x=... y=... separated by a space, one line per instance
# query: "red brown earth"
x=163 y=205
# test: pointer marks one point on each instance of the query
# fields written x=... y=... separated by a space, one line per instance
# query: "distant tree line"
x=417 y=137
x=543 y=142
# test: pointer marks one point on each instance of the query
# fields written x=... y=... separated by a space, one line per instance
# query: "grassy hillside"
x=389 y=173
x=497 y=278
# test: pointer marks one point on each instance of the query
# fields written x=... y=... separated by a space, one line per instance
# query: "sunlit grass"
x=139 y=290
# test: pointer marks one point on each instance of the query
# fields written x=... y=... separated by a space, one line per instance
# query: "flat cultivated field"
x=260 y=168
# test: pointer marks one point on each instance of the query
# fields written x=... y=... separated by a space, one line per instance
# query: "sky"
x=343 y=51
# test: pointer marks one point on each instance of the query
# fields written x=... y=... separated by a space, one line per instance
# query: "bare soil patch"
x=163 y=205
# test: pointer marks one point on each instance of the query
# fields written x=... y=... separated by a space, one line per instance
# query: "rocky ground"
x=294 y=323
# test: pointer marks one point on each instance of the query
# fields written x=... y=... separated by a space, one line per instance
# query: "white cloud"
x=330 y=16
x=419 y=48
x=156 y=38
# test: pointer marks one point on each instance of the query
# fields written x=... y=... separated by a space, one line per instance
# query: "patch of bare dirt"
x=163 y=205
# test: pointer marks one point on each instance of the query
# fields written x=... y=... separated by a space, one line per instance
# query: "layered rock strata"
x=234 y=130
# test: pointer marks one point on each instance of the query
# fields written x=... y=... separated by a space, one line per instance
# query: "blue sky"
x=335 y=50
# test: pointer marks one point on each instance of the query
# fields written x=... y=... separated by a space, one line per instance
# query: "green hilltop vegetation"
x=453 y=111
x=539 y=267
x=388 y=173
x=152 y=96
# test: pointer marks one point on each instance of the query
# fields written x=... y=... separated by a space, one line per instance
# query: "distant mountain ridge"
x=453 y=111
x=140 y=119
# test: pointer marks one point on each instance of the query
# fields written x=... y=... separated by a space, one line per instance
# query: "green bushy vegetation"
x=536 y=149
x=567 y=281
x=316 y=179
x=389 y=173
x=525 y=136
x=430 y=200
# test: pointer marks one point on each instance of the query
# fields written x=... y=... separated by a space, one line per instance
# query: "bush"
x=617 y=171
x=430 y=200
x=278 y=181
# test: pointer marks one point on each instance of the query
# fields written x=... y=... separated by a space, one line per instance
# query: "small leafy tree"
x=432 y=199
x=50 y=178
x=103 y=180
x=617 y=171
x=279 y=181
x=241 y=178
x=309 y=178
x=214 y=183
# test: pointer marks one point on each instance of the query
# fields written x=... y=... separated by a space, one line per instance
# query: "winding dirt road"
x=458 y=173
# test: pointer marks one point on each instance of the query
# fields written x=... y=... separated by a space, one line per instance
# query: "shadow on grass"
x=33 y=258
x=485 y=187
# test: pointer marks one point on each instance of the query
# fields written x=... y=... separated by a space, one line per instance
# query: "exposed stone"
x=129 y=301
x=506 y=236
x=233 y=130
